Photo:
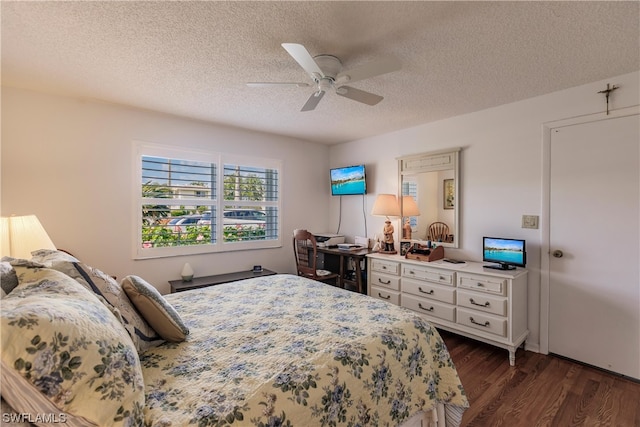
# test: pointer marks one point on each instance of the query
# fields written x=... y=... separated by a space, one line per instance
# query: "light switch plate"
x=529 y=221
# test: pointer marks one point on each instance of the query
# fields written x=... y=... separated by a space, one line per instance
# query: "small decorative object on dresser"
x=423 y=253
x=387 y=205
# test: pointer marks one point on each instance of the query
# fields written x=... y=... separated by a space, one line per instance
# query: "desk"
x=339 y=258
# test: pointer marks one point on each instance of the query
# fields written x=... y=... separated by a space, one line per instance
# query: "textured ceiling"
x=193 y=58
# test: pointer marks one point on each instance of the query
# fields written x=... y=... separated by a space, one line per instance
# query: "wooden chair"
x=438 y=232
x=306 y=253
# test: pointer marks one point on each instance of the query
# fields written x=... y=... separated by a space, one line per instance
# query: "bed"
x=274 y=351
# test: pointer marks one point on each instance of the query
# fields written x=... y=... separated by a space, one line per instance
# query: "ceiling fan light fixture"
x=325 y=84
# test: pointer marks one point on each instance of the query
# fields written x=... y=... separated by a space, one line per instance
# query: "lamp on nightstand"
x=387 y=205
x=22 y=235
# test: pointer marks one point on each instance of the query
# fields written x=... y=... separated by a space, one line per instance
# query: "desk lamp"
x=387 y=205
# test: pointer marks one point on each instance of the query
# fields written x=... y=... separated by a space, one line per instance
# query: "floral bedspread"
x=287 y=351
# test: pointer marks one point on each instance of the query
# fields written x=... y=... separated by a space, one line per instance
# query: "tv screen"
x=506 y=253
x=348 y=180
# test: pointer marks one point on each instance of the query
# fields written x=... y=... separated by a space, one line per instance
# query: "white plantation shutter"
x=190 y=202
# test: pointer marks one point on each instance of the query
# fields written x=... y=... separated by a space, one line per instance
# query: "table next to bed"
x=217 y=279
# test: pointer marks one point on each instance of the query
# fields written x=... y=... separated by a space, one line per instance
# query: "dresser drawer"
x=485 y=322
x=493 y=285
x=483 y=302
x=384 y=266
x=385 y=295
x=429 y=290
x=429 y=307
x=385 y=281
x=432 y=275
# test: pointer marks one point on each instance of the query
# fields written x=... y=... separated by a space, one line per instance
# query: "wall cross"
x=607 y=92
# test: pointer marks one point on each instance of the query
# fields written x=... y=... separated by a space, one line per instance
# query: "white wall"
x=70 y=162
x=501 y=169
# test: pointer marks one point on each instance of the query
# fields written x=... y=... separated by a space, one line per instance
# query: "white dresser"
x=480 y=303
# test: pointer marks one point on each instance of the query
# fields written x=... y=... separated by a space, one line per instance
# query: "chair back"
x=438 y=232
x=305 y=251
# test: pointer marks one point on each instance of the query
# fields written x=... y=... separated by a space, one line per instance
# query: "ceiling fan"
x=326 y=73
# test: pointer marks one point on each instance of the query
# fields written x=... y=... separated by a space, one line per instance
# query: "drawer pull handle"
x=486 y=304
x=424 y=308
x=480 y=285
x=443 y=278
x=383 y=297
x=384 y=267
x=485 y=324
x=388 y=282
x=430 y=292
x=412 y=272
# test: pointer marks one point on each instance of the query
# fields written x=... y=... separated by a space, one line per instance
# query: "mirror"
x=432 y=181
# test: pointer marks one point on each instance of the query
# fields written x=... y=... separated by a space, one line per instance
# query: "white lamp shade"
x=22 y=235
x=409 y=206
x=386 y=205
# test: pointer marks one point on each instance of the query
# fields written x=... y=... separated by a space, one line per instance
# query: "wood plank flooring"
x=541 y=390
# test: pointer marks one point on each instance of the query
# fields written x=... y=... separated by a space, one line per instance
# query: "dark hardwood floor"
x=541 y=390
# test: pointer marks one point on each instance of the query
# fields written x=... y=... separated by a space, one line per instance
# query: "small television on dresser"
x=348 y=180
x=505 y=254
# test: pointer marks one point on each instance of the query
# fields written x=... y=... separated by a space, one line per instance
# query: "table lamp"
x=22 y=235
x=409 y=209
x=387 y=205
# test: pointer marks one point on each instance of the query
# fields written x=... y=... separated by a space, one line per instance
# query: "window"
x=190 y=202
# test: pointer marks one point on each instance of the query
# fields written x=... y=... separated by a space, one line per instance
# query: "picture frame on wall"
x=448 y=194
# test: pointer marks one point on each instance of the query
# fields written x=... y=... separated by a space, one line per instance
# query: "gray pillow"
x=162 y=317
x=8 y=278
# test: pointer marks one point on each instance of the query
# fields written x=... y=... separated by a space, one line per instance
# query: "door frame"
x=545 y=217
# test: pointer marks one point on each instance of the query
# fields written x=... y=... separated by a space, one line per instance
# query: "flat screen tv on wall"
x=506 y=253
x=348 y=180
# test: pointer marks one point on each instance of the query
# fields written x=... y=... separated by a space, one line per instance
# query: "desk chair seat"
x=305 y=249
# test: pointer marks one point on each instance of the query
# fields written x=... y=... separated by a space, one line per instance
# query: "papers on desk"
x=349 y=247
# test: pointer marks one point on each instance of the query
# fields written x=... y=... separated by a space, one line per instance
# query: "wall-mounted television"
x=507 y=254
x=348 y=180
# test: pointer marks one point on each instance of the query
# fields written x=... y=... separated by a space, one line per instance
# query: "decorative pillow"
x=59 y=341
x=8 y=278
x=142 y=335
x=156 y=310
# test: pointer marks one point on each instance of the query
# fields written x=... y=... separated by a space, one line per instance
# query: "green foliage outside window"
x=165 y=235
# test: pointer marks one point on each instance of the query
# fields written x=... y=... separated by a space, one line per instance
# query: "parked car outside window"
x=179 y=224
x=248 y=217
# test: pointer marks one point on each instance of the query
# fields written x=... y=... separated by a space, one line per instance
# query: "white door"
x=594 y=278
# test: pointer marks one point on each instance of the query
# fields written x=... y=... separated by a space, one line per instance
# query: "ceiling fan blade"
x=372 y=69
x=302 y=57
x=265 y=84
x=313 y=101
x=359 y=95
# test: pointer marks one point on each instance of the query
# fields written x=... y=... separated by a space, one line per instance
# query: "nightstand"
x=218 y=279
